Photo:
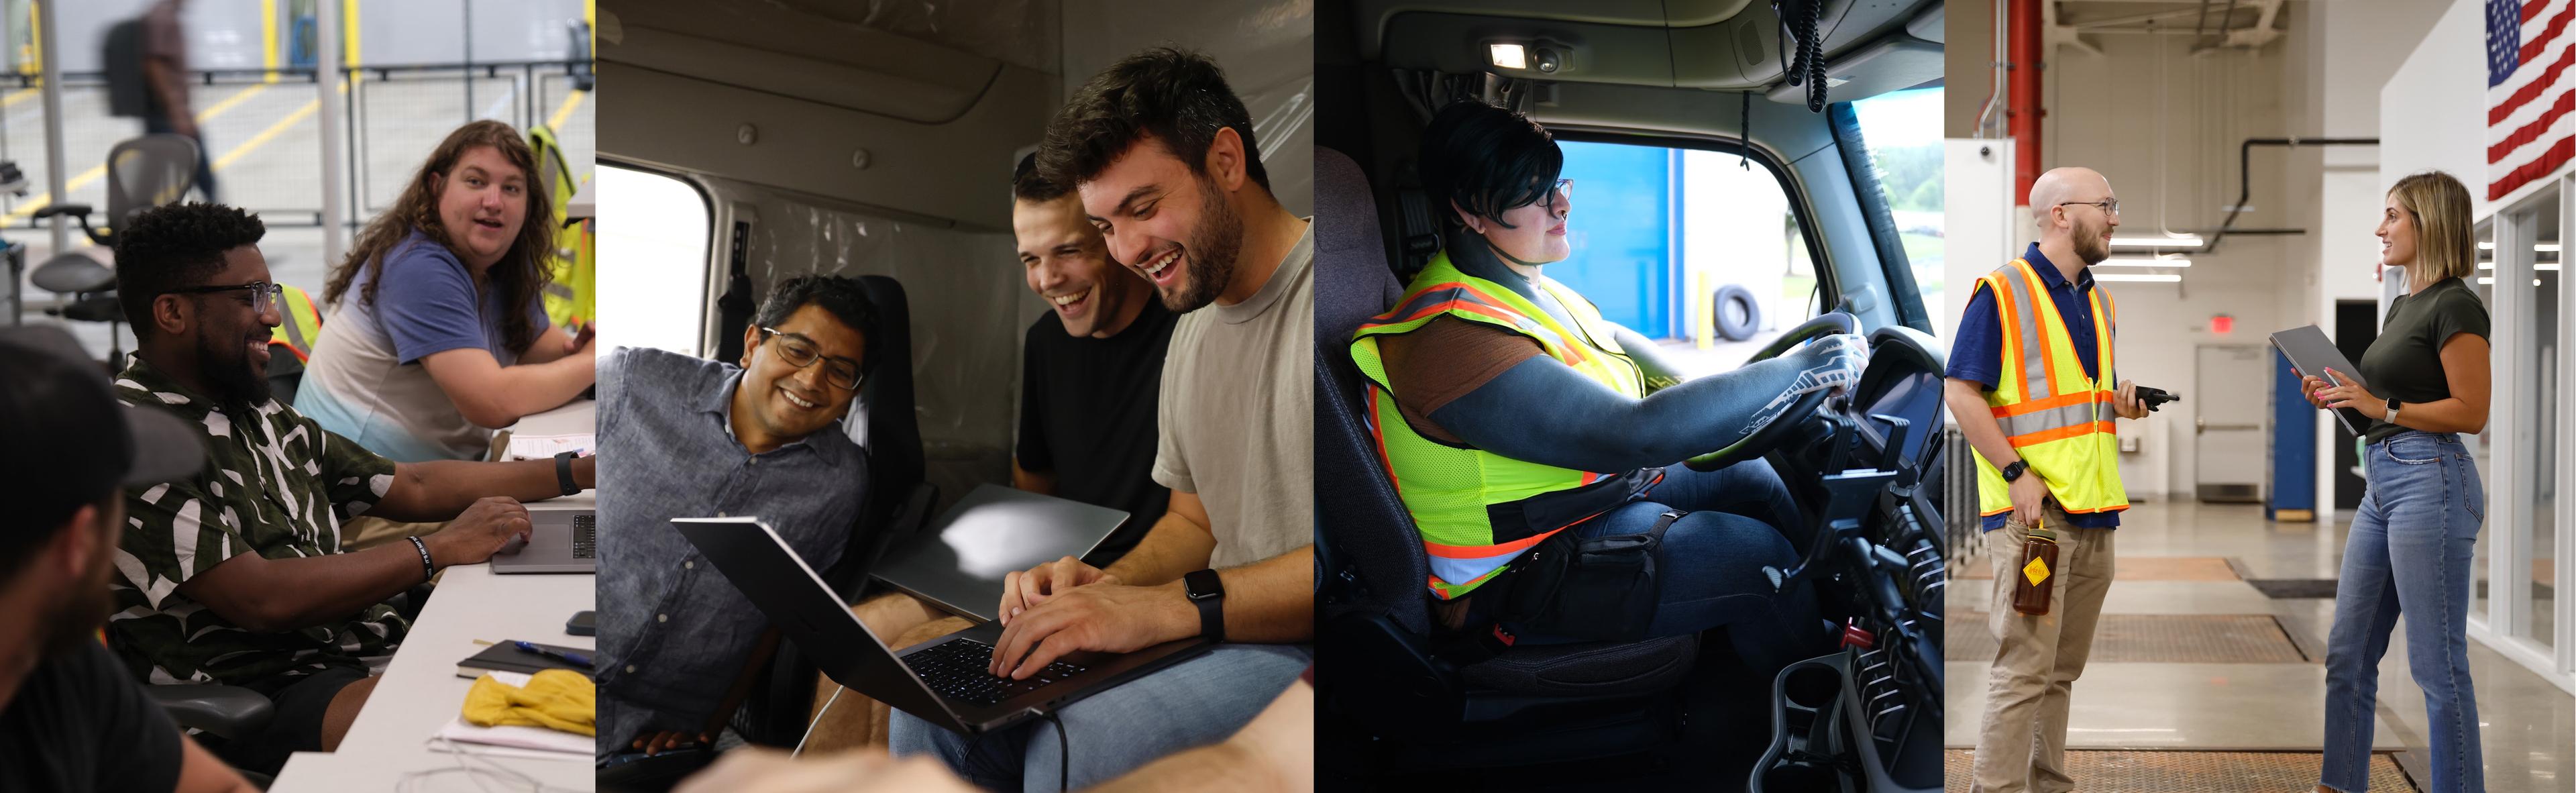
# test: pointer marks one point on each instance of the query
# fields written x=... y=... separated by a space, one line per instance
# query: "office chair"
x=142 y=172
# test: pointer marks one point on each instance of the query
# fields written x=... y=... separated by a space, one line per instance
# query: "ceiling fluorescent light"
x=1509 y=56
x=2183 y=241
x=2161 y=278
x=2170 y=261
x=2540 y=266
x=2545 y=247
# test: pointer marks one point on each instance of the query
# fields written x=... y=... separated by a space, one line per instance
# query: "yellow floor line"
x=571 y=101
x=99 y=171
x=264 y=135
x=20 y=95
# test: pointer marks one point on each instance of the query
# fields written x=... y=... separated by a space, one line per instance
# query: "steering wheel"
x=1771 y=435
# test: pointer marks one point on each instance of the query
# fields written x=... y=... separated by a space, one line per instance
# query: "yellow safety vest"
x=302 y=326
x=1450 y=490
x=2059 y=422
x=568 y=295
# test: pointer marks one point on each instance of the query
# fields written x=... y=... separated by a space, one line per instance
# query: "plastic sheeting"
x=969 y=305
x=1267 y=49
x=1017 y=32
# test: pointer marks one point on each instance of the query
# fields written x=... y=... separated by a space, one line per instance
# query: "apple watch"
x=2392 y=411
x=2014 y=470
x=563 y=473
x=1208 y=594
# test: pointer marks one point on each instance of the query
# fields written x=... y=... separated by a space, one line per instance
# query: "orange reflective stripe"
x=2059 y=434
x=1483 y=551
x=2036 y=405
x=2062 y=508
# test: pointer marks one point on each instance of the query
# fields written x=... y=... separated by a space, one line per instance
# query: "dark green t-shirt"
x=2406 y=361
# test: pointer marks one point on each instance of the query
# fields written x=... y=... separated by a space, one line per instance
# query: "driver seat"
x=1374 y=601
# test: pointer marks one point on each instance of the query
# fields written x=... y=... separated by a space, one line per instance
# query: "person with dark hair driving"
x=1515 y=418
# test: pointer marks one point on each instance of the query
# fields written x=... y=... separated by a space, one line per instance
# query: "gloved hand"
x=1833 y=361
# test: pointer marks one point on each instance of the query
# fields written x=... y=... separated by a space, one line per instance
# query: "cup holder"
x=1798 y=776
x=1812 y=686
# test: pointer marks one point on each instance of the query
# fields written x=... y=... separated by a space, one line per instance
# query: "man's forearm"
x=274 y=595
x=1977 y=422
x=1271 y=601
x=1172 y=548
x=437 y=490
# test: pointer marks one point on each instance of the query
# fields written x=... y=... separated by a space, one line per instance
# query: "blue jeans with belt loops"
x=2411 y=545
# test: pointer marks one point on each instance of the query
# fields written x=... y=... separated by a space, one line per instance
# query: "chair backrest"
x=894 y=432
x=1358 y=516
x=147 y=172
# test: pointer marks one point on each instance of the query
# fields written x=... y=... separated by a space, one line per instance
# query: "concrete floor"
x=2527 y=724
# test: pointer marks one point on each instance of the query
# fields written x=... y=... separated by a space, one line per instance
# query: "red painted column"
x=2024 y=111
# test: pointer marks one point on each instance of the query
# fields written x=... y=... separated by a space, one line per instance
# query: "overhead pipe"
x=2245 y=182
x=2025 y=115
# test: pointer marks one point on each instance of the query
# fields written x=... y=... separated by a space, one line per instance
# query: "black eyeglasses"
x=263 y=295
x=801 y=352
x=2109 y=206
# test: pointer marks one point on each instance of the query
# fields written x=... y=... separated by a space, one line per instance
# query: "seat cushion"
x=72 y=273
x=103 y=308
x=1592 y=669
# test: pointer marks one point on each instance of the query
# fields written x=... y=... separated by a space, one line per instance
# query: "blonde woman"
x=2422 y=383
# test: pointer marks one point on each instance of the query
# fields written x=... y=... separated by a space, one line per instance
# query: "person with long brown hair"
x=2422 y=383
x=438 y=332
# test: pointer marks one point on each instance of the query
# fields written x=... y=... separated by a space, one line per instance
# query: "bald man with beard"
x=2046 y=452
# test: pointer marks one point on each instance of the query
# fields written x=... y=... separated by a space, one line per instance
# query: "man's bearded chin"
x=226 y=368
x=1214 y=245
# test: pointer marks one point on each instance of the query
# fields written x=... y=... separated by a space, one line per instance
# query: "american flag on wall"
x=2529 y=131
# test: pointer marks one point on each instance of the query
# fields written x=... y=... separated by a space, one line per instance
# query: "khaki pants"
x=2022 y=746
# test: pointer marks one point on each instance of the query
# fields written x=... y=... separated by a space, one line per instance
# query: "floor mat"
x=2191 y=772
x=2293 y=588
x=2154 y=638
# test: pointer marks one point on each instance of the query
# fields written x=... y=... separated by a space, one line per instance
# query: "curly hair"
x=175 y=246
x=1177 y=96
x=521 y=274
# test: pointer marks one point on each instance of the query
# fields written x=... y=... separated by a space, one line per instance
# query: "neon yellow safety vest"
x=2059 y=422
x=1451 y=490
x=568 y=295
x=303 y=324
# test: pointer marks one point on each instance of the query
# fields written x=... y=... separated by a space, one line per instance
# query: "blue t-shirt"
x=1978 y=352
x=427 y=305
x=364 y=380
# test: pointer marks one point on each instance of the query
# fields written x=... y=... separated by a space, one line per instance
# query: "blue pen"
x=575 y=659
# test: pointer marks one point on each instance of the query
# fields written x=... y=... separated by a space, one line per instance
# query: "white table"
x=577 y=416
x=420 y=691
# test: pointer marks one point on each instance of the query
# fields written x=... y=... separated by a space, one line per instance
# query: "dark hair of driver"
x=175 y=247
x=1487 y=159
x=1177 y=96
x=1027 y=185
x=840 y=296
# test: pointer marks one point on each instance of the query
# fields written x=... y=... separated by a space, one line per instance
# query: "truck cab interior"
x=1728 y=143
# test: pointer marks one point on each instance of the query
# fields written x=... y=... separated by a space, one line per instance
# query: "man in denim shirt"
x=699 y=439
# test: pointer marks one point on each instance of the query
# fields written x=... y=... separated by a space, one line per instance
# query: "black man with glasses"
x=698 y=438
x=2033 y=384
x=238 y=575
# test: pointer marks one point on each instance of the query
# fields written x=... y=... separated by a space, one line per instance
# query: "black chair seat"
x=103 y=308
x=225 y=711
x=1591 y=669
x=73 y=273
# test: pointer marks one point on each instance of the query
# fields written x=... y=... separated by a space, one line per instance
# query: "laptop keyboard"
x=585 y=536
x=955 y=669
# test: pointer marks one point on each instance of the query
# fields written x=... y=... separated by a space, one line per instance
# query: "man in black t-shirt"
x=71 y=718
x=1092 y=370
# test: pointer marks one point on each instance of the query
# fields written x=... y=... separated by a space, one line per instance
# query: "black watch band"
x=2014 y=471
x=563 y=473
x=1207 y=592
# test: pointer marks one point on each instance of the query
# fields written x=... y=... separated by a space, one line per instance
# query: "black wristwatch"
x=563 y=473
x=1207 y=593
x=2013 y=471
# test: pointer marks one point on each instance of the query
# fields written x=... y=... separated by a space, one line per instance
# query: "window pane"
x=1903 y=132
x=2484 y=286
x=2542 y=362
x=657 y=241
x=1659 y=234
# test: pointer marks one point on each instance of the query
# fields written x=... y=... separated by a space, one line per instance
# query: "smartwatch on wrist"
x=2014 y=471
x=563 y=473
x=1208 y=594
x=2392 y=411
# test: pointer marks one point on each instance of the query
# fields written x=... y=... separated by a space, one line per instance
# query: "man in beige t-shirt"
x=1162 y=154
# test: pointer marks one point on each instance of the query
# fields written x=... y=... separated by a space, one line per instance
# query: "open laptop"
x=941 y=680
x=959 y=561
x=559 y=541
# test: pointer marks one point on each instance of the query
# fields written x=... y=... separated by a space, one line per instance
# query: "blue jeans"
x=1710 y=566
x=1187 y=705
x=2411 y=544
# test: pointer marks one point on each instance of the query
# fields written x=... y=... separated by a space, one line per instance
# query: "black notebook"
x=506 y=658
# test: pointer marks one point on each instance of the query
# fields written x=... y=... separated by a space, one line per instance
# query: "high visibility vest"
x=2059 y=422
x=1451 y=490
x=568 y=295
x=302 y=326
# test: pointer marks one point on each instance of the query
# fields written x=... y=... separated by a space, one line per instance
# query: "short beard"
x=2091 y=248
x=226 y=369
x=1213 y=247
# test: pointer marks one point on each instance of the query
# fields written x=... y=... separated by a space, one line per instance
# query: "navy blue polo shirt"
x=1978 y=349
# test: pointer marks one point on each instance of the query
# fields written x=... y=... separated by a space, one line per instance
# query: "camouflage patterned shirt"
x=275 y=484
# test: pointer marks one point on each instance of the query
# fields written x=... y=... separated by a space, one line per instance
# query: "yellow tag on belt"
x=2036 y=571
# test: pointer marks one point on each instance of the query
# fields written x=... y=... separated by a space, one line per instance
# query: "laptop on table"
x=941 y=680
x=559 y=541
